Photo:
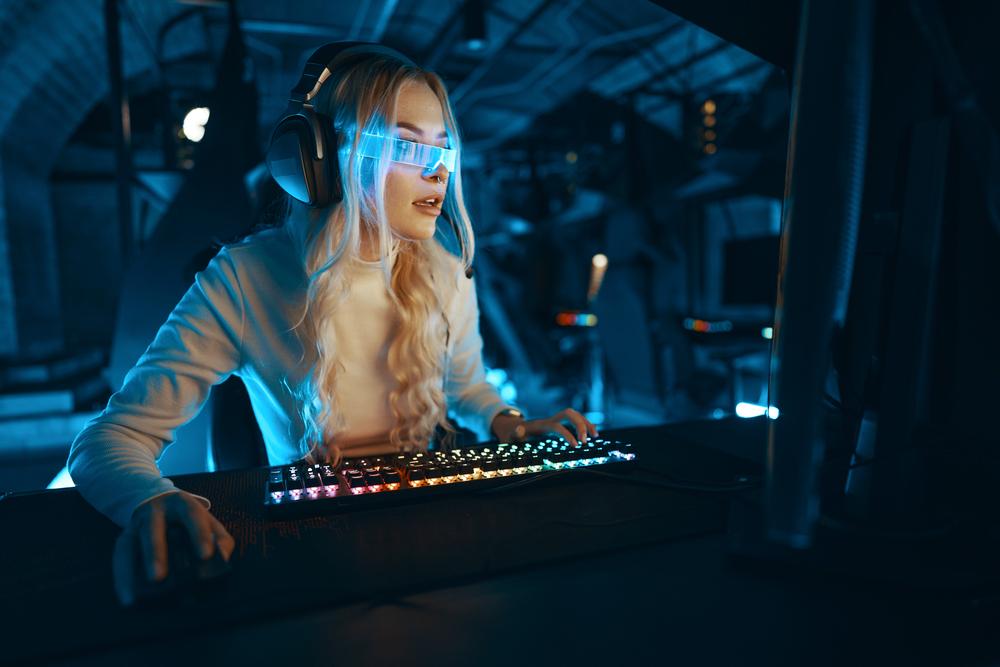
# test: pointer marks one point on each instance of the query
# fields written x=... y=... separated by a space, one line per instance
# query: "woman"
x=352 y=328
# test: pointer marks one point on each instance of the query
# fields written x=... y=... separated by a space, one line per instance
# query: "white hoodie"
x=237 y=318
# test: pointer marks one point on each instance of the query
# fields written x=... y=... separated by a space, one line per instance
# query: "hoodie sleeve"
x=474 y=400
x=113 y=459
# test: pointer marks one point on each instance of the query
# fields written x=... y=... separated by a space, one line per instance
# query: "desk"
x=590 y=569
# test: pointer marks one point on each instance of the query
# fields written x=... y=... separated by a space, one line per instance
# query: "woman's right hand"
x=146 y=532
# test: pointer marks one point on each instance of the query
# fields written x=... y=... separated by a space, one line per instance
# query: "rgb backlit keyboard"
x=306 y=489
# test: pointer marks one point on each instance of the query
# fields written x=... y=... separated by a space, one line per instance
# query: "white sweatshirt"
x=237 y=318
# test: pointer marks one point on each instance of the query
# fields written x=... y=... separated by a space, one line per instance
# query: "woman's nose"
x=438 y=174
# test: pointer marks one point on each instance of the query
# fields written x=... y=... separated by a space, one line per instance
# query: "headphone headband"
x=321 y=59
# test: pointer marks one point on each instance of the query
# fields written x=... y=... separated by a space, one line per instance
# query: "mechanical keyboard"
x=301 y=489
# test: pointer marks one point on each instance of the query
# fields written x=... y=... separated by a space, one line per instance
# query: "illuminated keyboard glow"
x=298 y=484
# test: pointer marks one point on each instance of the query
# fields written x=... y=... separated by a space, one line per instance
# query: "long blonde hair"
x=361 y=95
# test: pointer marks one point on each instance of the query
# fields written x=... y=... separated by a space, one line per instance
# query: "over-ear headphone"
x=302 y=153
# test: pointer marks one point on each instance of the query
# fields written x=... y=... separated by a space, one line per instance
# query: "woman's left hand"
x=508 y=428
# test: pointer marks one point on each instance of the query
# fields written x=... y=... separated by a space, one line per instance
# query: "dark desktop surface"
x=587 y=569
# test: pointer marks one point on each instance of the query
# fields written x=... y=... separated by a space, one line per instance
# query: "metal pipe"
x=828 y=140
x=388 y=9
x=540 y=77
x=359 y=21
x=442 y=39
x=676 y=68
x=121 y=126
x=474 y=77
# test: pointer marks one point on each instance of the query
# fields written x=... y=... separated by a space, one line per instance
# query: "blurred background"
x=603 y=139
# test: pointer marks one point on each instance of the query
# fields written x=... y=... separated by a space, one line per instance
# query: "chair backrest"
x=234 y=441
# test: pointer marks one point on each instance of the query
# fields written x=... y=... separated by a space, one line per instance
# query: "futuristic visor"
x=407 y=152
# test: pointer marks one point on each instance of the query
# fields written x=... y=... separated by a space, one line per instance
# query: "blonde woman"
x=353 y=329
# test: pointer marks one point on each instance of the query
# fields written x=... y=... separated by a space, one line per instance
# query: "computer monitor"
x=887 y=304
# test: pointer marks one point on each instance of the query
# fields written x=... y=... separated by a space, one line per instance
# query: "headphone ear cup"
x=293 y=162
x=290 y=158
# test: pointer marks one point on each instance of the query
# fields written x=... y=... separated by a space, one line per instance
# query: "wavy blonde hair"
x=361 y=95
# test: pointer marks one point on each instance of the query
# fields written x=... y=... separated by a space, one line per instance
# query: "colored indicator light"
x=767 y=332
x=572 y=318
x=704 y=326
x=748 y=410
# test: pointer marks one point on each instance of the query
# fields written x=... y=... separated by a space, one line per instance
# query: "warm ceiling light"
x=194 y=123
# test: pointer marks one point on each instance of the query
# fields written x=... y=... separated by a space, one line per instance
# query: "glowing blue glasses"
x=408 y=152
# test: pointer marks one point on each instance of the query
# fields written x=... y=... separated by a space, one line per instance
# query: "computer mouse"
x=187 y=571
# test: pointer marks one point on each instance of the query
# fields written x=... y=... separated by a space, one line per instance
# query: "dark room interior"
x=716 y=387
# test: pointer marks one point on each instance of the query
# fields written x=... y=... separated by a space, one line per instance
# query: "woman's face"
x=419 y=118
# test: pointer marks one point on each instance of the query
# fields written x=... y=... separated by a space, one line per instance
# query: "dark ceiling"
x=536 y=55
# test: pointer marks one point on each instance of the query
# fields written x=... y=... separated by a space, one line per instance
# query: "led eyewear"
x=408 y=152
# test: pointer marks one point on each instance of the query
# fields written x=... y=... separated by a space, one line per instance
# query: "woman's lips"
x=428 y=209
